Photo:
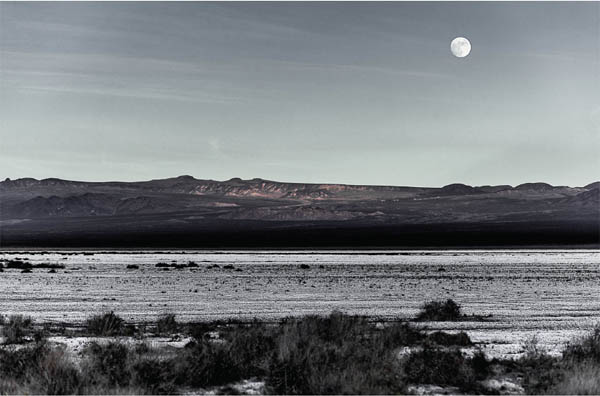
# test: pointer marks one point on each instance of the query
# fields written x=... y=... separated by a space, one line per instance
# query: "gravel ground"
x=553 y=295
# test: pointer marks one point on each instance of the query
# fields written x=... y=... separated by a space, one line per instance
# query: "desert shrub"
x=8 y=386
x=142 y=348
x=107 y=364
x=105 y=324
x=540 y=371
x=153 y=375
x=205 y=363
x=333 y=327
x=480 y=365
x=585 y=349
x=56 y=374
x=398 y=334
x=16 y=363
x=540 y=374
x=16 y=328
x=243 y=352
x=582 y=379
x=199 y=330
x=439 y=311
x=166 y=324
x=251 y=348
x=446 y=367
x=332 y=355
x=532 y=350
x=569 y=374
x=179 y=266
x=328 y=368
x=118 y=367
x=39 y=369
x=228 y=390
x=40 y=334
x=49 y=266
x=18 y=264
x=437 y=366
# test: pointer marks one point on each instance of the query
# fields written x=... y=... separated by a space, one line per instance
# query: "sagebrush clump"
x=166 y=324
x=333 y=354
x=440 y=311
x=107 y=324
x=16 y=328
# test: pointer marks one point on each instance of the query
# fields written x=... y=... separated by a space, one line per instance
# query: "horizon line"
x=239 y=179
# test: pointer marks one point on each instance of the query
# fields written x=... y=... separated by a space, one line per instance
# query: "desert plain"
x=551 y=295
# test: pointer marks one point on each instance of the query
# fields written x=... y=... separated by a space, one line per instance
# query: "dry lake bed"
x=553 y=295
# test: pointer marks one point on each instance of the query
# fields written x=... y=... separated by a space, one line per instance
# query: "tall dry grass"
x=333 y=354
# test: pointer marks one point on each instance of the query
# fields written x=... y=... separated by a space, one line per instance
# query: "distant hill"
x=587 y=198
x=592 y=186
x=35 y=210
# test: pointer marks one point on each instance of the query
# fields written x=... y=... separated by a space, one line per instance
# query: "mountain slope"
x=31 y=208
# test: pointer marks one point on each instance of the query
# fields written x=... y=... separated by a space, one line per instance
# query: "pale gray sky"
x=362 y=93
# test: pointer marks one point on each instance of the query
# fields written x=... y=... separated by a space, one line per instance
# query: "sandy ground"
x=552 y=295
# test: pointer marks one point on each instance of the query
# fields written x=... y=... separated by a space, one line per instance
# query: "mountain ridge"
x=32 y=198
x=63 y=211
x=29 y=181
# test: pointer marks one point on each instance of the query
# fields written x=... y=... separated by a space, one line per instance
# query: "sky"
x=357 y=93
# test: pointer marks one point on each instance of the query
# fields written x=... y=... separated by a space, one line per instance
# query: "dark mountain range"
x=193 y=212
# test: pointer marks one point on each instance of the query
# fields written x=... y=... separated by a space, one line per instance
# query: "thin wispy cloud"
x=156 y=94
x=359 y=68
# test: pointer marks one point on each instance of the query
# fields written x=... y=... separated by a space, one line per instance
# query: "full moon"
x=460 y=47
